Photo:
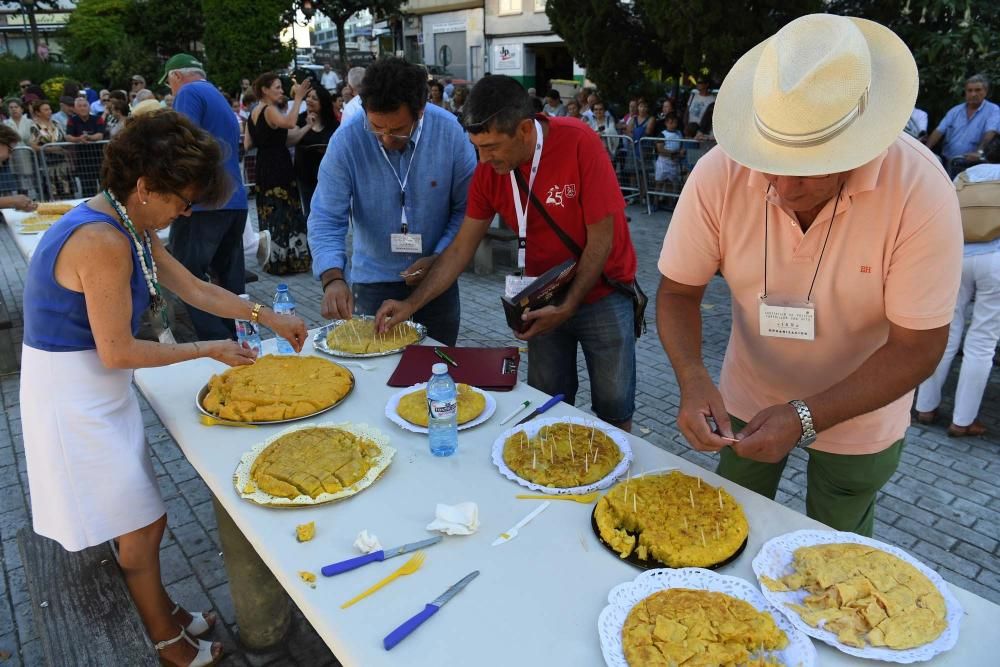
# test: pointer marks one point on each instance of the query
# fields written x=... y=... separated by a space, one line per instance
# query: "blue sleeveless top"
x=55 y=318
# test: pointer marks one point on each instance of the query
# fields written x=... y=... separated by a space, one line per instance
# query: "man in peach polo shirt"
x=841 y=242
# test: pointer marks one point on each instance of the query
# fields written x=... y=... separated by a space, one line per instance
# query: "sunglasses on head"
x=482 y=125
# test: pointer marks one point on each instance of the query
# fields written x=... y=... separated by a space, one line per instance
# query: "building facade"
x=15 y=28
x=447 y=36
x=521 y=44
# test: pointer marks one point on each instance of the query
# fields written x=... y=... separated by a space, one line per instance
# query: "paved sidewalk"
x=943 y=505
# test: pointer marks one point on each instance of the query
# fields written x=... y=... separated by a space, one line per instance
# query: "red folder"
x=490 y=368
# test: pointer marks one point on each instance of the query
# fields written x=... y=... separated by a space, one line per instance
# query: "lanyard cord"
x=822 y=251
x=404 y=226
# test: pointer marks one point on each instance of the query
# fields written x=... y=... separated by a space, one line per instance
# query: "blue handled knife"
x=385 y=554
x=403 y=631
x=545 y=406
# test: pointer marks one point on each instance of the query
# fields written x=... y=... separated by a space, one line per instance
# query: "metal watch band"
x=805 y=416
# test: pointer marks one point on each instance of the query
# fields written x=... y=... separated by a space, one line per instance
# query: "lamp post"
x=29 y=9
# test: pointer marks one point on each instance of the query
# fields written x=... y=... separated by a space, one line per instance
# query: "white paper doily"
x=535 y=425
x=393 y=416
x=775 y=561
x=621 y=599
x=242 y=475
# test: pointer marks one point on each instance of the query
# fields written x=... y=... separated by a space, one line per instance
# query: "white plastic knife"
x=512 y=532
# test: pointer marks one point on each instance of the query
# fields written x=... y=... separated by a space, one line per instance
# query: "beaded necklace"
x=144 y=250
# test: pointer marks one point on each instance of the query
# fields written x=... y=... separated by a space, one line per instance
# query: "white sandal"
x=199 y=624
x=202 y=659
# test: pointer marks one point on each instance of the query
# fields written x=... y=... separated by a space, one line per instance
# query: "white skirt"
x=89 y=472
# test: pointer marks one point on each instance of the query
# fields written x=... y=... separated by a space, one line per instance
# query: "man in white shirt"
x=97 y=106
x=698 y=102
x=353 y=108
x=329 y=78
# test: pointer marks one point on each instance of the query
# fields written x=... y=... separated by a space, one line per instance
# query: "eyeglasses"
x=188 y=204
x=481 y=126
x=383 y=135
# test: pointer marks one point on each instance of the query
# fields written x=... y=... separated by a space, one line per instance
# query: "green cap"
x=179 y=61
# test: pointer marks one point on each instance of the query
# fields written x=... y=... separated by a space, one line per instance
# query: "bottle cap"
x=439 y=369
x=282 y=287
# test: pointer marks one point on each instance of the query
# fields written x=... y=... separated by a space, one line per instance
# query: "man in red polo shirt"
x=567 y=168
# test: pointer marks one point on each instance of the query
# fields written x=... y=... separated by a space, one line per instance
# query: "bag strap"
x=573 y=246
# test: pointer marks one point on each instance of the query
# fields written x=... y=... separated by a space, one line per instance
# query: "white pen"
x=515 y=413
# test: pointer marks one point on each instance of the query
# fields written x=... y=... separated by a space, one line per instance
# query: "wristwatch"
x=805 y=416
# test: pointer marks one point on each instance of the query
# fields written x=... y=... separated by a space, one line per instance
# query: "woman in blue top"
x=92 y=276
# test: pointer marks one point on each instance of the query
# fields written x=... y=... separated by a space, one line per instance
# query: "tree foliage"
x=110 y=40
x=615 y=64
x=617 y=40
x=94 y=34
x=339 y=11
x=243 y=41
x=682 y=36
x=950 y=40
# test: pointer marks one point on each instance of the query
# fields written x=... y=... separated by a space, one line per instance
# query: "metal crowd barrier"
x=681 y=156
x=22 y=175
x=72 y=170
x=621 y=148
x=248 y=165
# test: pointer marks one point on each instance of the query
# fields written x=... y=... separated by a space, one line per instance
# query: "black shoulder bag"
x=631 y=290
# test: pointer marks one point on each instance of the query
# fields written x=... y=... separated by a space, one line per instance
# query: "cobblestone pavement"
x=943 y=505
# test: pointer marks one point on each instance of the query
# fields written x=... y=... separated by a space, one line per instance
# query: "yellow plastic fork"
x=409 y=567
x=215 y=421
x=580 y=498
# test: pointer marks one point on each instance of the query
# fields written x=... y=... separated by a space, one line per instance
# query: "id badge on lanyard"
x=790 y=320
x=516 y=283
x=404 y=241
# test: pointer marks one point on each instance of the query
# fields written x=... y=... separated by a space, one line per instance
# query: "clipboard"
x=489 y=368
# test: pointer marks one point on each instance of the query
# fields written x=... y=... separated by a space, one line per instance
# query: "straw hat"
x=825 y=94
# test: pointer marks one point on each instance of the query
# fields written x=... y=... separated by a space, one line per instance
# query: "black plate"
x=655 y=564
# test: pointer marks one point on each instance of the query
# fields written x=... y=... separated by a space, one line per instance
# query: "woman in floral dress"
x=46 y=131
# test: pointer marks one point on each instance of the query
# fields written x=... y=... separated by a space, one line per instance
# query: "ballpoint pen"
x=444 y=357
x=515 y=412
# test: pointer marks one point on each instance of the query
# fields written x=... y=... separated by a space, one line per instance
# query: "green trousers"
x=840 y=489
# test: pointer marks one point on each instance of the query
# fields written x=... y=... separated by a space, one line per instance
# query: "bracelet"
x=197 y=350
x=255 y=313
x=331 y=281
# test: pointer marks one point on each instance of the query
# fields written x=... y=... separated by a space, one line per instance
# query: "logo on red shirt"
x=556 y=194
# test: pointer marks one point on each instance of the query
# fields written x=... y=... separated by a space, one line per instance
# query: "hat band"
x=817 y=137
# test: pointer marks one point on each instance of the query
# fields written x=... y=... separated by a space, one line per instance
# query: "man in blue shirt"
x=210 y=241
x=967 y=127
x=400 y=172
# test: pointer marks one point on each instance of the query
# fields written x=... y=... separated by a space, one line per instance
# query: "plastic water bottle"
x=247 y=332
x=442 y=408
x=283 y=305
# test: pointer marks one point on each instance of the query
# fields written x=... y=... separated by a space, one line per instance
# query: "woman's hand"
x=300 y=90
x=228 y=352
x=289 y=327
x=18 y=202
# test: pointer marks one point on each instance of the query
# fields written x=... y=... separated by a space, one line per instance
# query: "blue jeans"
x=210 y=245
x=605 y=331
x=440 y=316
